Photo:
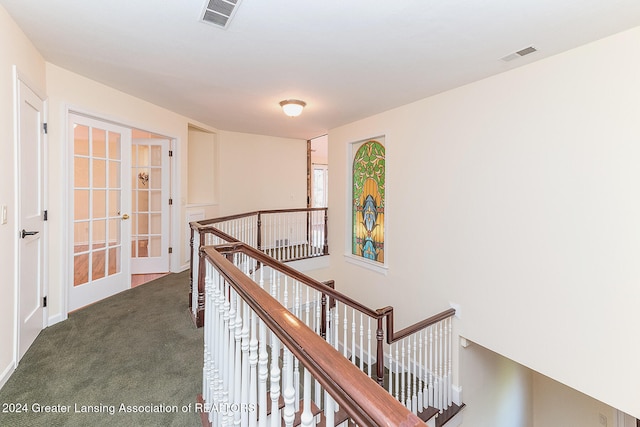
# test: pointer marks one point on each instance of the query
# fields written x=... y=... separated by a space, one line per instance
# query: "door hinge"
x=170 y=202
x=45 y=215
x=44 y=128
x=44 y=302
x=170 y=153
x=170 y=250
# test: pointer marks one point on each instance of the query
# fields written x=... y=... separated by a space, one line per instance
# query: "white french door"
x=100 y=210
x=150 y=206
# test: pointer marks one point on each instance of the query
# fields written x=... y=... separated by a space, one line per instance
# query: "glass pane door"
x=100 y=260
x=150 y=203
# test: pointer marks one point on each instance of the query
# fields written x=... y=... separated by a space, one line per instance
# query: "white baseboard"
x=56 y=319
x=6 y=374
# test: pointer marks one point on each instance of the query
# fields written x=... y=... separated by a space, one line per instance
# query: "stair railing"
x=413 y=364
x=285 y=234
x=252 y=344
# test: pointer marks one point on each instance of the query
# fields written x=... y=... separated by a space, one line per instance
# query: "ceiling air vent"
x=520 y=53
x=219 y=12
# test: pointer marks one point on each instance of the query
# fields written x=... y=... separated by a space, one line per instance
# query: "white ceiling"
x=348 y=59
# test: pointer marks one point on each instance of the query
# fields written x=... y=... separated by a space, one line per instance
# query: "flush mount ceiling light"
x=292 y=107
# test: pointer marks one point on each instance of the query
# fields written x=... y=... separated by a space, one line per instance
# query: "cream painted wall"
x=497 y=391
x=261 y=172
x=558 y=405
x=15 y=49
x=201 y=168
x=517 y=197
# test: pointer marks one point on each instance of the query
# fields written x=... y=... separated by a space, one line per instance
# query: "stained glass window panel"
x=369 y=201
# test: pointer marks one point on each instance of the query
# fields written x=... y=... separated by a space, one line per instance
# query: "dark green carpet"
x=135 y=350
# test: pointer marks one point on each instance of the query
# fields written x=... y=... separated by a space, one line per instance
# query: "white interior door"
x=31 y=221
x=100 y=208
x=150 y=206
x=320 y=185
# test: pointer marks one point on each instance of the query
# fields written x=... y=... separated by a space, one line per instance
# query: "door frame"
x=166 y=144
x=110 y=283
x=67 y=178
x=19 y=77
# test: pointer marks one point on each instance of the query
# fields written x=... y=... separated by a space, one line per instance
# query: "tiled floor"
x=139 y=279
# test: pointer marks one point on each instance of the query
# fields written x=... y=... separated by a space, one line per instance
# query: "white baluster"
x=224 y=361
x=420 y=377
x=445 y=371
x=253 y=371
x=307 y=317
x=246 y=378
x=296 y=362
x=440 y=358
x=390 y=380
x=353 y=336
x=431 y=394
x=275 y=380
x=317 y=327
x=397 y=372
x=409 y=375
x=306 y=239
x=450 y=376
x=329 y=409
x=318 y=312
x=237 y=373
x=414 y=378
x=307 y=418
x=369 y=362
x=403 y=376
x=335 y=326
x=230 y=353
x=344 y=343
x=280 y=245
x=207 y=368
x=288 y=237
x=263 y=374
x=289 y=393
x=216 y=335
x=361 y=343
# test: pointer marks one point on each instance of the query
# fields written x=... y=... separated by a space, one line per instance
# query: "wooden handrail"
x=351 y=388
x=248 y=214
x=403 y=333
x=265 y=259
x=385 y=313
x=272 y=211
x=329 y=294
x=205 y=222
x=208 y=227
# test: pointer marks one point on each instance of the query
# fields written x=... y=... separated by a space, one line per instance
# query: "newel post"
x=380 y=352
x=259 y=241
x=325 y=248
x=191 y=269
x=201 y=278
x=323 y=317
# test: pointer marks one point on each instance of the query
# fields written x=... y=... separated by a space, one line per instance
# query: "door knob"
x=125 y=216
x=26 y=233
